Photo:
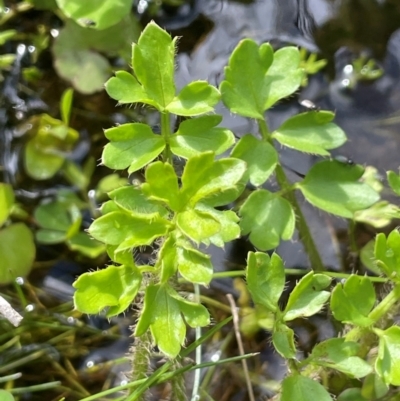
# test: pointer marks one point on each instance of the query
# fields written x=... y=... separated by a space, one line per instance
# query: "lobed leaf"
x=114 y=288
x=134 y=201
x=267 y=218
x=265 y=278
x=196 y=98
x=128 y=231
x=311 y=132
x=283 y=341
x=125 y=88
x=308 y=297
x=339 y=354
x=352 y=301
x=153 y=64
x=194 y=265
x=387 y=254
x=387 y=364
x=336 y=188
x=301 y=388
x=197 y=135
x=261 y=158
x=162 y=185
x=131 y=145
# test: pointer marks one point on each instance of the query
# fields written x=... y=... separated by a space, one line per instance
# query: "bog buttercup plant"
x=174 y=212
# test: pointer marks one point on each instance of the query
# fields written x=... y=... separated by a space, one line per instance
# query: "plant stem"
x=301 y=223
x=384 y=307
x=166 y=133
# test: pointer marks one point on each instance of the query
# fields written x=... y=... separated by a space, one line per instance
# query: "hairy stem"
x=301 y=223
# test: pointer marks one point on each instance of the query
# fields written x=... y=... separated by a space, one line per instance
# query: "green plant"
x=175 y=211
x=13 y=263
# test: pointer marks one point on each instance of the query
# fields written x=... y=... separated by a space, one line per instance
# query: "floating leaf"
x=6 y=201
x=92 y=13
x=17 y=252
x=268 y=218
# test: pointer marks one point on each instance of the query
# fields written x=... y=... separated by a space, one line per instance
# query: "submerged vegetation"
x=185 y=185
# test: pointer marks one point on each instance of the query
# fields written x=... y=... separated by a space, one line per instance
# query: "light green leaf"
x=89 y=12
x=131 y=145
x=128 y=231
x=114 y=287
x=387 y=254
x=394 y=181
x=133 y=200
x=53 y=216
x=301 y=388
x=65 y=105
x=162 y=185
x=7 y=35
x=200 y=134
x=336 y=188
x=265 y=278
x=352 y=301
x=229 y=229
x=284 y=76
x=260 y=156
x=283 y=341
x=267 y=218
x=198 y=97
x=6 y=396
x=351 y=394
x=378 y=215
x=167 y=259
x=203 y=177
x=82 y=243
x=153 y=64
x=125 y=88
x=197 y=225
x=45 y=236
x=167 y=327
x=387 y=364
x=13 y=262
x=195 y=314
x=148 y=311
x=311 y=132
x=308 y=297
x=336 y=353
x=6 y=201
x=244 y=90
x=194 y=266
